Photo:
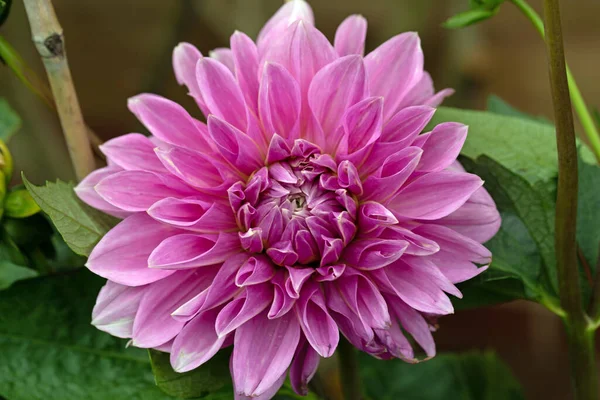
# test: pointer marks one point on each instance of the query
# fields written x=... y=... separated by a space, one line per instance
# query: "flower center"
x=300 y=210
x=298 y=201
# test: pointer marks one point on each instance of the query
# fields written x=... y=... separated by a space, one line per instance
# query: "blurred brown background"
x=118 y=48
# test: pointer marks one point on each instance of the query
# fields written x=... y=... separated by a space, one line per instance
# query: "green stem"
x=583 y=113
x=13 y=60
x=348 y=365
x=580 y=338
x=6 y=162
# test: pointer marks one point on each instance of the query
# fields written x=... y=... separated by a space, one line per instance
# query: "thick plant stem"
x=583 y=113
x=580 y=337
x=349 y=374
x=49 y=41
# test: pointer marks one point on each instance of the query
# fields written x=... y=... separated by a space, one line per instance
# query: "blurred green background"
x=119 y=48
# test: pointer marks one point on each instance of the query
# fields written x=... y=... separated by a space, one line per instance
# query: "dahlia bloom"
x=309 y=204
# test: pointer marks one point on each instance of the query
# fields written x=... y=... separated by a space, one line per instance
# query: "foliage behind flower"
x=308 y=204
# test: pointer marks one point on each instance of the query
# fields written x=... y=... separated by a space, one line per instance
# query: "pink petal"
x=235 y=146
x=255 y=270
x=417 y=287
x=348 y=178
x=394 y=68
x=169 y=122
x=350 y=36
x=443 y=146
x=417 y=244
x=251 y=240
x=395 y=342
x=364 y=298
x=362 y=126
x=86 y=191
x=116 y=307
x=185 y=58
x=198 y=170
x=304 y=366
x=191 y=251
x=267 y=395
x=279 y=102
x=221 y=290
x=372 y=215
x=456 y=270
x=289 y=13
x=278 y=149
x=354 y=328
x=138 y=190
x=397 y=135
x=193 y=214
x=303 y=51
x=297 y=278
x=406 y=124
x=456 y=244
x=251 y=302
x=424 y=93
x=132 y=152
x=245 y=58
x=153 y=323
x=393 y=173
x=414 y=323
x=319 y=328
x=478 y=218
x=263 y=350
x=334 y=89
x=282 y=301
x=370 y=254
x=224 y=56
x=165 y=347
x=196 y=343
x=346 y=226
x=330 y=272
x=221 y=93
x=122 y=254
x=435 y=195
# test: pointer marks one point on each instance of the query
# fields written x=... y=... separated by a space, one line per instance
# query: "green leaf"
x=49 y=349
x=4 y=10
x=468 y=18
x=28 y=232
x=62 y=257
x=9 y=121
x=20 y=204
x=485 y=3
x=588 y=213
x=9 y=251
x=479 y=10
x=517 y=159
x=525 y=146
x=287 y=393
x=515 y=272
x=471 y=376
x=596 y=115
x=11 y=273
x=498 y=106
x=80 y=225
x=212 y=380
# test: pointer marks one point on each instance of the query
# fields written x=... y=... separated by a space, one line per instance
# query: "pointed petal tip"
x=180 y=363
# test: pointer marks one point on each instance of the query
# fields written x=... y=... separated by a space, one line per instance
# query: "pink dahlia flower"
x=309 y=204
